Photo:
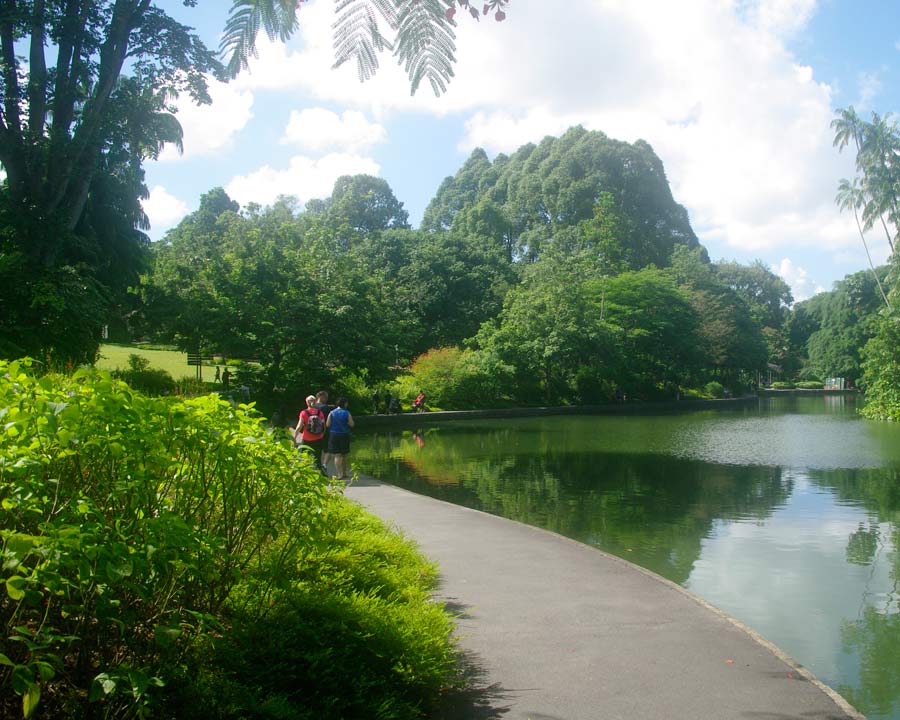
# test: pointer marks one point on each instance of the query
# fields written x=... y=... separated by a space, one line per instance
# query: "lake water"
x=785 y=514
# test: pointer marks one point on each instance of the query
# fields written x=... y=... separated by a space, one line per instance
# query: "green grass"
x=173 y=362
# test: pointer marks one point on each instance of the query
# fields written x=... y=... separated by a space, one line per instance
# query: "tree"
x=73 y=135
x=366 y=204
x=850 y=197
x=877 y=145
x=767 y=294
x=423 y=40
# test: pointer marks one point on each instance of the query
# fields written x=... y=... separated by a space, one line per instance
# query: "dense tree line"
x=564 y=273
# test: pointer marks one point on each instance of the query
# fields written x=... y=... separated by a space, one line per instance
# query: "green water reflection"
x=785 y=515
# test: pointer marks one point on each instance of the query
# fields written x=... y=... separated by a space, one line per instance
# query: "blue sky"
x=734 y=96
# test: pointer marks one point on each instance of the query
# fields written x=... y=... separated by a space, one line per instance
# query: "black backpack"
x=315 y=424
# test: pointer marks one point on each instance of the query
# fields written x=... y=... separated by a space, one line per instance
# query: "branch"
x=78 y=167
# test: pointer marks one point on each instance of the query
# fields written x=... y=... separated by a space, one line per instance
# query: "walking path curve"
x=552 y=629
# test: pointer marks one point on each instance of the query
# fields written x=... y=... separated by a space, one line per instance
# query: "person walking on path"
x=226 y=376
x=218 y=374
x=322 y=404
x=339 y=424
x=311 y=430
x=376 y=401
x=419 y=402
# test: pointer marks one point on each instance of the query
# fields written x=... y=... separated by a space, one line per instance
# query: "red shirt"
x=304 y=416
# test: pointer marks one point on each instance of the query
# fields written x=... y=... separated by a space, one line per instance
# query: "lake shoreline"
x=412 y=419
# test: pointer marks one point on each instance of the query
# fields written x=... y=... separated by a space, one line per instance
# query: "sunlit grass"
x=173 y=362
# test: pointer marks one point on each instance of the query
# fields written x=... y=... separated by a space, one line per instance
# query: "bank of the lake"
x=783 y=512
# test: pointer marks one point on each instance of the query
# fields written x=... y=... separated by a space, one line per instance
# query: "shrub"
x=782 y=385
x=150 y=543
x=454 y=378
x=714 y=389
x=810 y=385
x=358 y=610
x=126 y=523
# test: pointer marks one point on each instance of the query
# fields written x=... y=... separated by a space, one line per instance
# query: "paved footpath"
x=551 y=629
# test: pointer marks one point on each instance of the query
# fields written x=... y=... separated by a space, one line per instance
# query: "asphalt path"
x=552 y=629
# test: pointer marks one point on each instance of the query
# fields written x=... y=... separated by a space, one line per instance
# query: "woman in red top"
x=311 y=430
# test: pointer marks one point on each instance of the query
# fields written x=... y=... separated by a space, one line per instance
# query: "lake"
x=784 y=514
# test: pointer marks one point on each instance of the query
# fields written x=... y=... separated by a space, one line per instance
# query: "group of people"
x=386 y=403
x=324 y=431
x=390 y=404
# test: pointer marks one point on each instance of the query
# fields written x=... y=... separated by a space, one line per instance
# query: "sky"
x=735 y=96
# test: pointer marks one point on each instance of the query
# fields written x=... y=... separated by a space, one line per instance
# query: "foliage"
x=141 y=377
x=832 y=328
x=74 y=135
x=146 y=542
x=714 y=389
x=126 y=523
x=783 y=385
x=423 y=41
x=359 y=608
x=523 y=200
x=809 y=385
x=882 y=371
x=457 y=379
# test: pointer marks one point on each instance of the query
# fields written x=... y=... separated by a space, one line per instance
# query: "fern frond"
x=277 y=17
x=425 y=43
x=357 y=35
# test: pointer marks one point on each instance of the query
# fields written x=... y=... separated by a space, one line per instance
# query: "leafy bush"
x=149 y=543
x=141 y=377
x=809 y=385
x=782 y=385
x=357 y=610
x=454 y=378
x=714 y=389
x=126 y=523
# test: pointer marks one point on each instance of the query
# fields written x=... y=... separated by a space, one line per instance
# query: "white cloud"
x=304 y=178
x=211 y=128
x=318 y=129
x=802 y=287
x=163 y=209
x=742 y=127
x=868 y=87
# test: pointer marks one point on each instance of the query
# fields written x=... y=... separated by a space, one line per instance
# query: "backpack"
x=315 y=424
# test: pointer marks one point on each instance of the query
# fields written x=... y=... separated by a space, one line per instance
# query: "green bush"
x=714 y=389
x=810 y=385
x=782 y=385
x=144 y=537
x=353 y=635
x=141 y=377
x=456 y=379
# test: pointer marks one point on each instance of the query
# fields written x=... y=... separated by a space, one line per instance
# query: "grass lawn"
x=172 y=361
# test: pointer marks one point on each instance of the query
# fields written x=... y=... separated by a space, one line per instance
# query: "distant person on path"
x=311 y=431
x=376 y=402
x=387 y=402
x=394 y=407
x=419 y=402
x=218 y=374
x=322 y=404
x=226 y=376
x=339 y=424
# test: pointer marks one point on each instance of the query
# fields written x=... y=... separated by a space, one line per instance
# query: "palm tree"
x=877 y=144
x=850 y=196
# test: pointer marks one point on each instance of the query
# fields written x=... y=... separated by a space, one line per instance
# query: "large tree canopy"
x=528 y=197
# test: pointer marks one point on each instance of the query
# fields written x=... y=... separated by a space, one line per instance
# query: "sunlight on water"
x=785 y=515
